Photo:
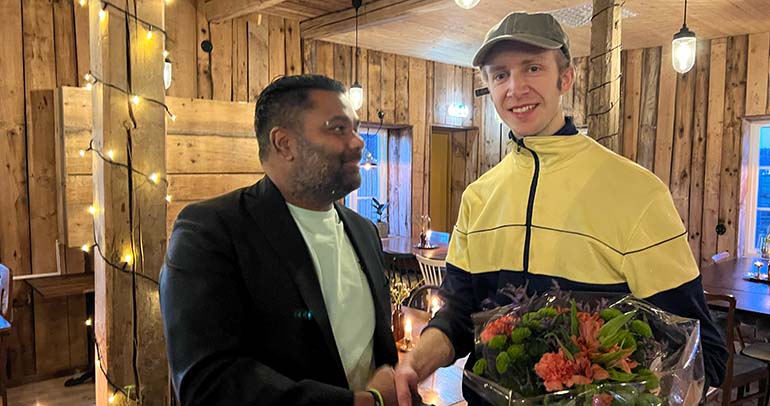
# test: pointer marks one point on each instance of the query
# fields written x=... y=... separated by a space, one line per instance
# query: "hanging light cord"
x=357 y=6
x=684 y=23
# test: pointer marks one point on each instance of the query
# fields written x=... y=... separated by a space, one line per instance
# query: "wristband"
x=378 y=401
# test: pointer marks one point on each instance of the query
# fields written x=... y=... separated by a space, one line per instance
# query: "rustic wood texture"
x=698 y=157
x=664 y=136
x=682 y=148
x=240 y=60
x=259 y=73
x=203 y=33
x=182 y=47
x=735 y=103
x=276 y=44
x=419 y=106
x=64 y=34
x=222 y=60
x=632 y=102
x=648 y=116
x=82 y=47
x=604 y=74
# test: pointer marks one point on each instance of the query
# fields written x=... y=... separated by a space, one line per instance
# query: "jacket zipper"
x=530 y=202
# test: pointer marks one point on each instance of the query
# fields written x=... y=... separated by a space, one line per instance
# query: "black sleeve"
x=687 y=300
x=454 y=318
x=204 y=311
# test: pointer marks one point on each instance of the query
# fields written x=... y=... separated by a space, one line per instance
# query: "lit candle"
x=427 y=236
x=758 y=264
x=408 y=329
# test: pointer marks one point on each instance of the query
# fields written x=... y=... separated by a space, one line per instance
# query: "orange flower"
x=502 y=325
x=555 y=370
x=587 y=372
x=589 y=326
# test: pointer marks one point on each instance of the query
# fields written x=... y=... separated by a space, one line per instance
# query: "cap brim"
x=529 y=39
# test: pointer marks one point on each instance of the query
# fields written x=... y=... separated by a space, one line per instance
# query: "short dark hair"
x=283 y=101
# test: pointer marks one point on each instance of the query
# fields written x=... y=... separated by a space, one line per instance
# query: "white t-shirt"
x=345 y=290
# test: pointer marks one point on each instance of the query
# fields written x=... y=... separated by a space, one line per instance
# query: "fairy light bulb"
x=149 y=33
x=83 y=3
x=168 y=198
x=92 y=210
x=111 y=399
x=128 y=259
x=165 y=54
x=85 y=248
x=89 y=322
x=135 y=100
x=172 y=117
x=111 y=154
x=155 y=177
x=82 y=152
x=89 y=86
x=102 y=14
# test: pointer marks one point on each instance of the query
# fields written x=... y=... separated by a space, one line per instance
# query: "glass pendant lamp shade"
x=683 y=49
x=356 y=94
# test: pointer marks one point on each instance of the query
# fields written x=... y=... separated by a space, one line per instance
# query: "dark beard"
x=320 y=176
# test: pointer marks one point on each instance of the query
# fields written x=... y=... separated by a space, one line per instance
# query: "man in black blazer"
x=259 y=306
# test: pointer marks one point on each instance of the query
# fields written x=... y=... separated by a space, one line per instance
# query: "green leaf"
x=620 y=376
x=479 y=367
x=574 y=324
x=613 y=326
x=502 y=362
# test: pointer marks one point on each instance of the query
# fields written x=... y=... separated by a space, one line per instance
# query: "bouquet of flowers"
x=568 y=349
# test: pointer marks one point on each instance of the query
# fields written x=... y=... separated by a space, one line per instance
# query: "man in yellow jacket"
x=559 y=207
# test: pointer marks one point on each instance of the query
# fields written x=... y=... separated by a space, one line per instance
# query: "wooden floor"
x=52 y=393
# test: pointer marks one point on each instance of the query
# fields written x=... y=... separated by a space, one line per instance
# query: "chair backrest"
x=5 y=292
x=400 y=268
x=432 y=270
x=729 y=328
x=420 y=298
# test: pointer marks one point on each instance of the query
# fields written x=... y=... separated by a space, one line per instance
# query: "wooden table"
x=728 y=278
x=405 y=245
x=444 y=387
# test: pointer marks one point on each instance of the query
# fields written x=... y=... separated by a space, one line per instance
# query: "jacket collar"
x=553 y=151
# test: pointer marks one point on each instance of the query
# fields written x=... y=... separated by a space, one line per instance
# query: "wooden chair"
x=5 y=327
x=742 y=371
x=432 y=270
x=420 y=297
x=400 y=268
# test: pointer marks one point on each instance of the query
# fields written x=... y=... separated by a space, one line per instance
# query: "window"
x=374 y=181
x=757 y=205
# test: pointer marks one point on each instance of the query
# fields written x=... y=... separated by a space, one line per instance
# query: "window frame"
x=749 y=205
x=382 y=168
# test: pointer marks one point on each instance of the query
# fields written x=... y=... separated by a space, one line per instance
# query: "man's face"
x=329 y=148
x=524 y=86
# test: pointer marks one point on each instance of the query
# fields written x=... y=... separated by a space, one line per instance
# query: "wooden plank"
x=370 y=14
x=417 y=117
x=259 y=73
x=221 y=10
x=222 y=60
x=240 y=60
x=78 y=342
x=604 y=75
x=343 y=70
x=429 y=92
x=64 y=32
x=467 y=96
x=375 y=83
x=399 y=182
x=471 y=157
x=756 y=82
x=735 y=99
x=458 y=149
x=581 y=88
x=645 y=154
x=388 y=87
x=14 y=234
x=211 y=154
x=623 y=92
x=308 y=56
x=478 y=112
x=197 y=117
x=401 y=115
x=204 y=58
x=182 y=47
x=664 y=134
x=682 y=148
x=697 y=171
x=440 y=73
x=293 y=47
x=457 y=93
x=82 y=47
x=75 y=260
x=51 y=334
x=325 y=59
x=363 y=79
x=43 y=198
x=492 y=135
x=632 y=103
x=276 y=40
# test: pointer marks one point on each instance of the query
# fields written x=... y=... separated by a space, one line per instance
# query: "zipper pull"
x=519 y=144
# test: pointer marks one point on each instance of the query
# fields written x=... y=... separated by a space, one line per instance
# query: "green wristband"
x=378 y=401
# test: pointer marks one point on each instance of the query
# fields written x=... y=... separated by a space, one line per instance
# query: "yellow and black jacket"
x=564 y=208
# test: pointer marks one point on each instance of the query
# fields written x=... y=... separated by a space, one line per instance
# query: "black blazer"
x=244 y=316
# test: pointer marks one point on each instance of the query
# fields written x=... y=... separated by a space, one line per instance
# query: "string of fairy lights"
x=126 y=262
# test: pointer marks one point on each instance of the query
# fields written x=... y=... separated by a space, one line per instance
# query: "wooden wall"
x=47 y=47
x=687 y=129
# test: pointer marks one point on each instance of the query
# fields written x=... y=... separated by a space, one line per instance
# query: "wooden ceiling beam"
x=220 y=10
x=369 y=15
